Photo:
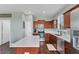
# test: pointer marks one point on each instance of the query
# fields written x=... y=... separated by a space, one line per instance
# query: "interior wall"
x=66 y=8
x=75 y=19
x=29 y=25
x=16 y=27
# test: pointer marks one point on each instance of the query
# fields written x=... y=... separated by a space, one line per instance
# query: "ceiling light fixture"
x=44 y=11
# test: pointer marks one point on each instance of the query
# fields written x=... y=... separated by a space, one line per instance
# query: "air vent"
x=5 y=15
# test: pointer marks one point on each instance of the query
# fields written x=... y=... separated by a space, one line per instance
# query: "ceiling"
x=38 y=10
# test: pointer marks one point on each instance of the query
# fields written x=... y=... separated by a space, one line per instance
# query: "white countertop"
x=31 y=41
x=65 y=36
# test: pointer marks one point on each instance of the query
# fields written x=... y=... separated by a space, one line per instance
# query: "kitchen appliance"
x=60 y=45
x=75 y=38
x=41 y=32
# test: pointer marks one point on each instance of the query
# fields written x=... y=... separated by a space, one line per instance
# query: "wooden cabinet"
x=49 y=24
x=35 y=24
x=27 y=50
x=68 y=48
x=47 y=37
x=67 y=20
x=40 y=21
x=53 y=39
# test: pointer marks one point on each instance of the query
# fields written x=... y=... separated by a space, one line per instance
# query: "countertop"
x=30 y=41
x=65 y=34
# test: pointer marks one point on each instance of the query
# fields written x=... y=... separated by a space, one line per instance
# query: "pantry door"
x=0 y=32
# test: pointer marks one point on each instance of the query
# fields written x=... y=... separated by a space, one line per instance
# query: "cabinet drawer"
x=68 y=48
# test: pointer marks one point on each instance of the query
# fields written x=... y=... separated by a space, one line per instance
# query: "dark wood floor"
x=5 y=49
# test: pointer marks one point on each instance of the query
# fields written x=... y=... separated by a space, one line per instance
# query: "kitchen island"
x=28 y=44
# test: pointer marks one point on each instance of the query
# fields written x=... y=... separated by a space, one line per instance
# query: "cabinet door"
x=0 y=32
x=53 y=24
x=40 y=21
x=35 y=24
x=48 y=24
x=68 y=48
x=67 y=20
x=53 y=39
x=47 y=37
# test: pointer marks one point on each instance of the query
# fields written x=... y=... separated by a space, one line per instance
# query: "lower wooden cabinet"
x=68 y=48
x=53 y=39
x=27 y=50
x=49 y=38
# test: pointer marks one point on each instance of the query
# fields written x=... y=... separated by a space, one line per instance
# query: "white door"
x=6 y=31
x=0 y=32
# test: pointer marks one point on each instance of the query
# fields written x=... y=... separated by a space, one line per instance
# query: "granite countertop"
x=30 y=41
x=65 y=36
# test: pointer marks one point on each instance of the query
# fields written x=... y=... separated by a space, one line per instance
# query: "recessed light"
x=44 y=11
x=29 y=12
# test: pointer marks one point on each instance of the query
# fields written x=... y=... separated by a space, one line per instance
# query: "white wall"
x=75 y=19
x=68 y=7
x=29 y=25
x=16 y=27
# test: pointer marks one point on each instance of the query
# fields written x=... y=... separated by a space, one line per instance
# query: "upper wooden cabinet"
x=47 y=24
x=67 y=20
x=67 y=16
x=35 y=24
x=40 y=21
